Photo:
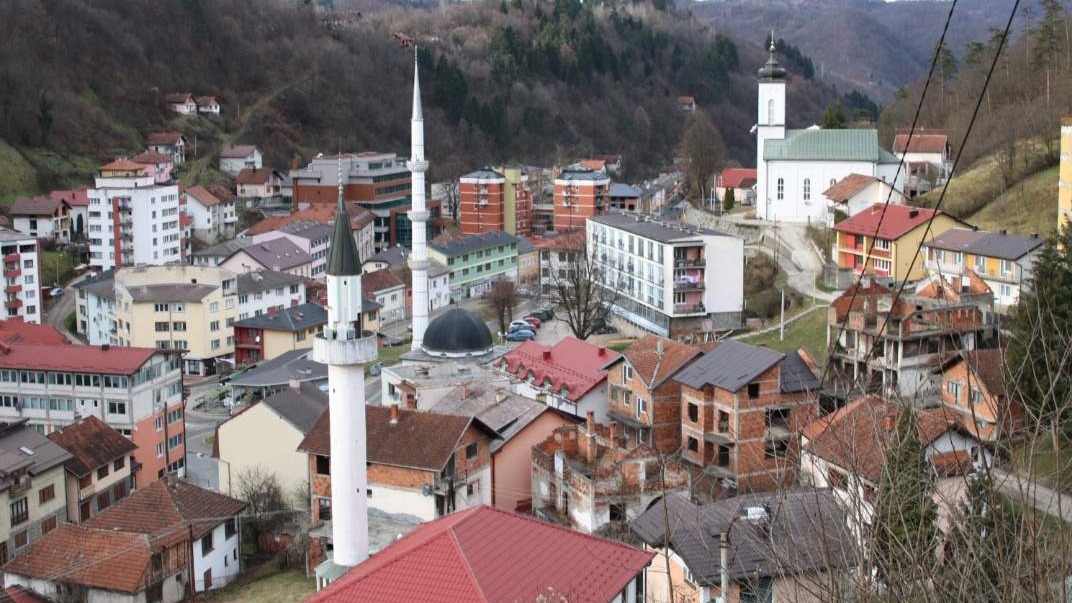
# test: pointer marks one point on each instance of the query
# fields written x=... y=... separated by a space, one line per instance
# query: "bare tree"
x=502 y=299
x=583 y=289
x=704 y=153
x=265 y=498
x=452 y=195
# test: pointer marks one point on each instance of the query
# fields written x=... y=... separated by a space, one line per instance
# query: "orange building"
x=495 y=200
x=580 y=193
x=973 y=386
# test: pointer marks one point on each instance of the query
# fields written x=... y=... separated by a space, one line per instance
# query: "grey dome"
x=771 y=70
x=456 y=332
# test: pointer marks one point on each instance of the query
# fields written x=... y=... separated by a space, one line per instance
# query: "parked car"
x=520 y=335
x=520 y=324
x=375 y=369
x=56 y=292
x=544 y=314
x=390 y=341
x=532 y=320
x=605 y=329
x=529 y=329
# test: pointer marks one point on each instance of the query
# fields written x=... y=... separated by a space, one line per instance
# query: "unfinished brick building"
x=588 y=476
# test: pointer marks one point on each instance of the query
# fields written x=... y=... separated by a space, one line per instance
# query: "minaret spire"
x=418 y=215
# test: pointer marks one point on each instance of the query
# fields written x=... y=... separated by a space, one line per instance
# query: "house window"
x=208 y=578
x=723 y=458
x=162 y=326
x=627 y=373
x=770 y=112
x=980 y=264
x=20 y=511
x=472 y=450
x=954 y=390
x=958 y=258
x=1006 y=267
x=781 y=189
x=753 y=390
x=22 y=539
x=119 y=463
x=836 y=479
x=883 y=244
x=323 y=465
x=694 y=444
x=807 y=189
x=641 y=406
x=975 y=396
x=85 y=481
x=759 y=590
x=230 y=528
x=723 y=425
x=117 y=408
x=104 y=500
x=48 y=525
x=776 y=449
x=206 y=544
x=46 y=494
x=694 y=412
x=102 y=472
x=324 y=508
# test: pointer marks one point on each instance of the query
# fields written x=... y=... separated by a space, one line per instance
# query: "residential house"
x=283 y=418
x=258 y=186
x=521 y=424
x=579 y=193
x=77 y=200
x=236 y=157
x=742 y=181
x=528 y=266
x=588 y=476
x=42 y=217
x=157 y=165
x=624 y=197
x=271 y=376
x=422 y=386
x=1004 y=261
x=686 y=104
x=792 y=546
x=892 y=343
x=496 y=552
x=742 y=409
x=136 y=391
x=846 y=452
x=260 y=291
x=495 y=200
x=311 y=237
x=388 y=291
x=476 y=261
x=172 y=144
x=927 y=155
x=670 y=280
x=569 y=376
x=643 y=397
x=280 y=254
x=207 y=105
x=22 y=276
x=176 y=307
x=214 y=218
x=438 y=285
x=182 y=103
x=449 y=471
x=361 y=223
x=856 y=193
x=31 y=487
x=99 y=472
x=170 y=510
x=885 y=240
x=972 y=386
x=266 y=336
x=383 y=259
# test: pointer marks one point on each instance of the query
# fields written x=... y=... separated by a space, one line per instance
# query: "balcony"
x=10 y=289
x=689 y=309
x=12 y=273
x=11 y=258
x=690 y=263
x=689 y=286
x=12 y=304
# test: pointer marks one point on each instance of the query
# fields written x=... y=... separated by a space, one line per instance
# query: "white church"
x=794 y=167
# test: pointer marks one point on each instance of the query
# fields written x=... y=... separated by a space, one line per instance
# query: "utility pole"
x=781 y=328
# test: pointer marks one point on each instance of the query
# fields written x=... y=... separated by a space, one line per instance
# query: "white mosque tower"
x=418 y=216
x=346 y=348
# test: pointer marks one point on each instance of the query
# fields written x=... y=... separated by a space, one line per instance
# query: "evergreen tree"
x=904 y=530
x=834 y=118
x=1048 y=35
x=728 y=200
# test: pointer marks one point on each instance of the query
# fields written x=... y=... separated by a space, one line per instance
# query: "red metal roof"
x=572 y=363
x=897 y=221
x=74 y=197
x=123 y=165
x=74 y=358
x=17 y=331
x=484 y=554
x=848 y=186
x=737 y=177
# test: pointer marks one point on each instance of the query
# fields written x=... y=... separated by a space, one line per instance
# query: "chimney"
x=602 y=351
x=465 y=392
x=294 y=382
x=547 y=354
x=272 y=311
x=394 y=414
x=105 y=347
x=659 y=347
x=913 y=213
x=500 y=396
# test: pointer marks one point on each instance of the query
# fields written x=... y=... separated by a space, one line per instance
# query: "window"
x=753 y=390
x=807 y=189
x=178 y=326
x=104 y=500
x=694 y=445
x=1005 y=290
x=472 y=450
x=214 y=325
x=781 y=189
x=161 y=326
x=206 y=544
x=117 y=408
x=776 y=449
x=980 y=264
x=230 y=528
x=975 y=396
x=299 y=336
x=323 y=465
x=214 y=307
x=883 y=244
x=22 y=539
x=48 y=525
x=836 y=479
x=1006 y=267
x=46 y=494
x=954 y=390
x=770 y=112
x=641 y=406
x=324 y=508
x=102 y=472
x=119 y=463
x=85 y=482
x=20 y=511
x=174 y=441
x=958 y=258
x=627 y=372
x=761 y=590
x=882 y=265
x=694 y=412
x=215 y=344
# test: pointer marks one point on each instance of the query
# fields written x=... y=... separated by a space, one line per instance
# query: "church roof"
x=828 y=145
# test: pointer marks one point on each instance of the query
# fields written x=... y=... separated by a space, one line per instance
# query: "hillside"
x=517 y=81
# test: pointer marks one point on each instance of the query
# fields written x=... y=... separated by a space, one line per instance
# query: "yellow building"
x=182 y=307
x=1004 y=261
x=270 y=335
x=897 y=232
x=1064 y=185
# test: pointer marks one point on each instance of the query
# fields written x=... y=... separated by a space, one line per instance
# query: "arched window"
x=770 y=112
x=833 y=181
x=781 y=189
x=807 y=189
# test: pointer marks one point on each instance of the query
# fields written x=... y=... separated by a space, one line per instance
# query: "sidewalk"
x=1033 y=494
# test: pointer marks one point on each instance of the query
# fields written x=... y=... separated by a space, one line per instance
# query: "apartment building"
x=22 y=276
x=213 y=217
x=1004 y=261
x=476 y=261
x=557 y=257
x=177 y=307
x=136 y=391
x=133 y=220
x=100 y=470
x=32 y=501
x=495 y=199
x=579 y=193
x=276 y=332
x=670 y=280
x=884 y=240
x=260 y=291
x=742 y=409
x=311 y=237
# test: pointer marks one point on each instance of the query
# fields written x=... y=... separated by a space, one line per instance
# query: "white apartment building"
x=132 y=219
x=671 y=280
x=22 y=276
x=260 y=291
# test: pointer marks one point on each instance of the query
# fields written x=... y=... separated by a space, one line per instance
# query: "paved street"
x=57 y=314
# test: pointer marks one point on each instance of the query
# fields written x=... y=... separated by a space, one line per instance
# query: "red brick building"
x=495 y=200
x=579 y=193
x=742 y=409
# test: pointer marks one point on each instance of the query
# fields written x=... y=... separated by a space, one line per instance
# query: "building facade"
x=579 y=193
x=1004 y=261
x=99 y=472
x=32 y=495
x=238 y=157
x=43 y=217
x=22 y=276
x=495 y=200
x=260 y=291
x=886 y=240
x=276 y=332
x=569 y=376
x=476 y=261
x=212 y=219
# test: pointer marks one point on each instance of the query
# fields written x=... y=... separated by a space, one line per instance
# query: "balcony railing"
x=13 y=303
x=12 y=289
x=688 y=285
x=12 y=273
x=11 y=257
x=689 y=308
x=690 y=263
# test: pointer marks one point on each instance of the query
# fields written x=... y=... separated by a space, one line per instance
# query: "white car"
x=520 y=324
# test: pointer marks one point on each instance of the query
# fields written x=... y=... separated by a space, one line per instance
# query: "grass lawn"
x=1028 y=206
x=808 y=333
x=1038 y=459
x=17 y=176
x=281 y=587
x=57 y=267
x=389 y=354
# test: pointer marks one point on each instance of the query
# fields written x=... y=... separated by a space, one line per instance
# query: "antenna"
x=340 y=176
x=772 y=40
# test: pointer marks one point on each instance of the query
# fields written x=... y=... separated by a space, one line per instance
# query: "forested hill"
x=517 y=80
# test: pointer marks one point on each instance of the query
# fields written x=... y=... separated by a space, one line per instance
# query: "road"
x=57 y=314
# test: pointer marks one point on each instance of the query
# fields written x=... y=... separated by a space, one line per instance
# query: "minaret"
x=346 y=348
x=418 y=216
x=770 y=125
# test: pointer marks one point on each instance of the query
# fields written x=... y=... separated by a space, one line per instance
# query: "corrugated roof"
x=828 y=145
x=653 y=229
x=462 y=245
x=989 y=244
x=292 y=319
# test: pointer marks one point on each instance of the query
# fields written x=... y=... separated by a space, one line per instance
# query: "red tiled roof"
x=848 y=186
x=35 y=206
x=685 y=100
x=17 y=331
x=123 y=165
x=594 y=164
x=178 y=97
x=484 y=554
x=653 y=367
x=165 y=509
x=74 y=358
x=78 y=197
x=237 y=151
x=897 y=221
x=18 y=594
x=97 y=558
x=737 y=177
x=92 y=444
x=150 y=158
x=202 y=196
x=380 y=280
x=572 y=363
x=921 y=143
x=252 y=176
x=570 y=240
x=163 y=138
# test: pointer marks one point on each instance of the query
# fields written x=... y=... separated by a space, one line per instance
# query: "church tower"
x=770 y=125
x=418 y=215
x=345 y=347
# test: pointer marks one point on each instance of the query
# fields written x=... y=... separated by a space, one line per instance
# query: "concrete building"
x=259 y=186
x=476 y=261
x=311 y=237
x=927 y=155
x=260 y=291
x=1004 y=261
x=279 y=254
x=856 y=193
x=43 y=217
x=213 y=219
x=569 y=376
x=396 y=260
x=885 y=240
x=670 y=280
x=492 y=200
x=100 y=470
x=32 y=493
x=22 y=276
x=268 y=336
x=579 y=193
x=237 y=157
x=133 y=220
x=172 y=144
